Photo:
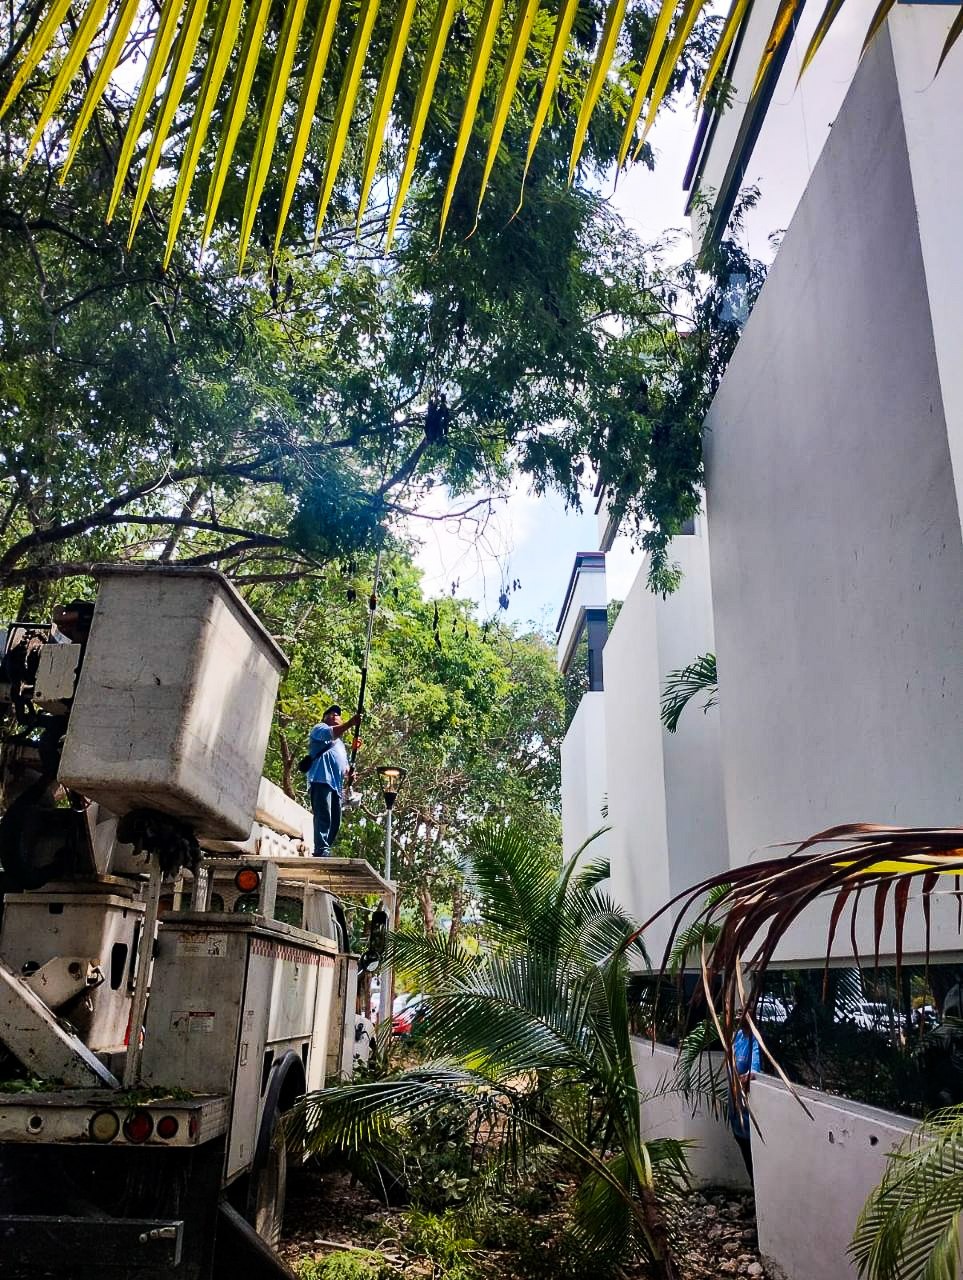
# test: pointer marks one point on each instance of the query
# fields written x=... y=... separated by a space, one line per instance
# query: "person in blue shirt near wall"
x=745 y=1051
x=329 y=763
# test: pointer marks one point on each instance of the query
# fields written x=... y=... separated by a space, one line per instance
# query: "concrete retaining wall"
x=714 y=1158
x=813 y=1176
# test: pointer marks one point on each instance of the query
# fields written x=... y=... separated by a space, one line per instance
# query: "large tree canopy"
x=269 y=423
x=473 y=710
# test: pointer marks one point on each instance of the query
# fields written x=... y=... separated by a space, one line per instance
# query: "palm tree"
x=910 y=1226
x=532 y=1040
x=199 y=52
x=909 y=1229
x=698 y=678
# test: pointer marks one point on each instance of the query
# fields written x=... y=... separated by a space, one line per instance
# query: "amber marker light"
x=247 y=880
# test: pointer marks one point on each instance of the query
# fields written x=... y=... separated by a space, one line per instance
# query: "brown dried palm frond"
x=764 y=899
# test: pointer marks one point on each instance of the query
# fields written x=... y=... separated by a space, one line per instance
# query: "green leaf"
x=699 y=677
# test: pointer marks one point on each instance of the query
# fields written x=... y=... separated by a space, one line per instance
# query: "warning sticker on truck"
x=195 y=1021
x=212 y=945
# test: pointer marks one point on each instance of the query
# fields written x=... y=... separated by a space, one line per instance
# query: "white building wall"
x=584 y=779
x=799 y=117
x=837 y=560
x=665 y=793
x=931 y=109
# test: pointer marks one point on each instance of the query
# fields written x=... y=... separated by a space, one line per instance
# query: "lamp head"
x=392 y=776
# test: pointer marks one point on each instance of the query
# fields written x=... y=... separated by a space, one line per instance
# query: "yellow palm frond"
x=184 y=72
x=338 y=138
x=183 y=57
x=603 y=61
x=271 y=118
x=513 y=69
x=236 y=108
x=156 y=64
x=225 y=37
x=476 y=81
x=310 y=92
x=384 y=99
x=444 y=16
x=563 y=30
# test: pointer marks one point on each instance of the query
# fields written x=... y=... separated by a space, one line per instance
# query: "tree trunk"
x=427 y=910
x=188 y=511
x=287 y=764
x=457 y=912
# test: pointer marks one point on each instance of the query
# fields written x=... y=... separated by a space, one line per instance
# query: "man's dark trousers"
x=326 y=807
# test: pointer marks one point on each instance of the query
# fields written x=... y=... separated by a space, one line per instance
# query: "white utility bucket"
x=174 y=701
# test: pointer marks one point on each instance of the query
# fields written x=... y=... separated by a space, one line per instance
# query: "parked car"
x=403 y=1022
x=771 y=1009
x=871 y=1015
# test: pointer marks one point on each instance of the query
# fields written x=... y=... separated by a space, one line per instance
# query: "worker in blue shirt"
x=745 y=1054
x=329 y=764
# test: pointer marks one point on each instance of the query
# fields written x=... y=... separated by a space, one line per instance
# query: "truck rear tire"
x=271 y=1190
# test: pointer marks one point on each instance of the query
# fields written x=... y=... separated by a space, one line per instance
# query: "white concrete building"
x=832 y=587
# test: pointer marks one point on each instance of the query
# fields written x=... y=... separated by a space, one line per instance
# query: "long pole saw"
x=372 y=607
x=387 y=978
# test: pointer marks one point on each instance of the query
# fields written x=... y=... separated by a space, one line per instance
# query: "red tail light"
x=167 y=1127
x=138 y=1126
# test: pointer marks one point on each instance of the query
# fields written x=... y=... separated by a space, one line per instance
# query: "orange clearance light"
x=247 y=880
x=167 y=1127
x=104 y=1126
x=138 y=1126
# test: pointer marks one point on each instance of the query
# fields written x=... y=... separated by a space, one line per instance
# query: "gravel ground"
x=717 y=1232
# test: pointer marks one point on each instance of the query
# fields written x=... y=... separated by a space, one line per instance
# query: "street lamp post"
x=392 y=776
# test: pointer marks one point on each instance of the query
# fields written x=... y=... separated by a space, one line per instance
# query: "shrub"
x=345 y=1265
x=441 y=1237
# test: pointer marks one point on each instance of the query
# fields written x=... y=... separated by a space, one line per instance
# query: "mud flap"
x=240 y=1251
